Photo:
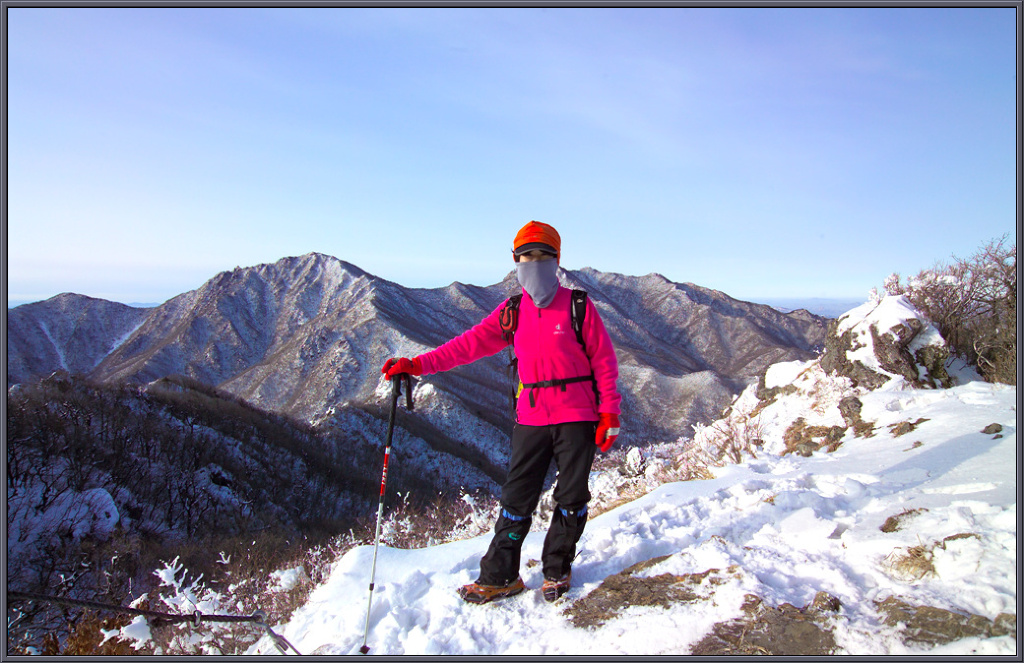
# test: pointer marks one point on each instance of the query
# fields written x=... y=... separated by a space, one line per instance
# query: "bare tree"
x=973 y=302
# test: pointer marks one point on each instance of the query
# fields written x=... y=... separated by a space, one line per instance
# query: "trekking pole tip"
x=364 y=649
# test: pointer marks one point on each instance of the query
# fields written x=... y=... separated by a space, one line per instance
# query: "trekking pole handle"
x=408 y=391
x=396 y=389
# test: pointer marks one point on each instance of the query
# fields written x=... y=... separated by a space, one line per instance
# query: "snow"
x=69 y=515
x=780 y=526
x=783 y=373
x=57 y=347
x=137 y=632
x=885 y=314
x=286 y=579
x=888 y=312
x=792 y=526
x=116 y=345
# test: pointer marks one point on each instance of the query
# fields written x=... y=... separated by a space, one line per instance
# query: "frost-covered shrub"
x=242 y=591
x=181 y=593
x=416 y=523
x=973 y=302
x=105 y=481
x=724 y=441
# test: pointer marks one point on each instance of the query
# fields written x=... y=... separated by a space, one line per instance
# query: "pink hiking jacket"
x=546 y=346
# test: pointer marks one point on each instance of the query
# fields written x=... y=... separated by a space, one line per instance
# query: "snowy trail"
x=792 y=525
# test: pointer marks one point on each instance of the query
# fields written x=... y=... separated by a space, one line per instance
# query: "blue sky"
x=761 y=152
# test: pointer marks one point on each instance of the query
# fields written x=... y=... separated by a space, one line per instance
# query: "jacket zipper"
x=539 y=339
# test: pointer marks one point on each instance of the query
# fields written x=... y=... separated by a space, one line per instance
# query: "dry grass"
x=957 y=537
x=412 y=523
x=634 y=491
x=804 y=440
x=895 y=523
x=912 y=563
x=903 y=427
x=917 y=562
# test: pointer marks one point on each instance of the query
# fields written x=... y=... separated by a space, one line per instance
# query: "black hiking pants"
x=572 y=447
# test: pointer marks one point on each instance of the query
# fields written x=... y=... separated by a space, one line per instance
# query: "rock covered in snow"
x=880 y=341
x=805 y=406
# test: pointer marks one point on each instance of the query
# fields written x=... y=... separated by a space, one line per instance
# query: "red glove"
x=607 y=430
x=393 y=367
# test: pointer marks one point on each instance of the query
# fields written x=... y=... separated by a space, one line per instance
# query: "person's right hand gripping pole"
x=402 y=365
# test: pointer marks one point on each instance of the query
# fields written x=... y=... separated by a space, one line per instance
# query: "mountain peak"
x=326 y=272
x=308 y=332
x=325 y=262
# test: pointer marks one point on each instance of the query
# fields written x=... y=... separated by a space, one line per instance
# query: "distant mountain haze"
x=306 y=337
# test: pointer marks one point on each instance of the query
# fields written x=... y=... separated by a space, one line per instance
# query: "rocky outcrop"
x=849 y=410
x=886 y=344
x=932 y=358
x=884 y=340
x=836 y=361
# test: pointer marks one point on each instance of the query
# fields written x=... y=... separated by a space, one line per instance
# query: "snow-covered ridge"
x=68 y=332
x=928 y=474
x=306 y=336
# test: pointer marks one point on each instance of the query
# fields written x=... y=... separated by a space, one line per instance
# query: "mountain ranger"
x=568 y=407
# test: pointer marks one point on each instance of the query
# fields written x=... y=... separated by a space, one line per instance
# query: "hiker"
x=568 y=407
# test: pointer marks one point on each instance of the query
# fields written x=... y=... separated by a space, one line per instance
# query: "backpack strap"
x=579 y=314
x=509 y=317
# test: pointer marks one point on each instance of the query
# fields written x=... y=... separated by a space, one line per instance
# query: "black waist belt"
x=558 y=383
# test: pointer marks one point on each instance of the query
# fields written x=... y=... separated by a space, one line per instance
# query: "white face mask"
x=539 y=279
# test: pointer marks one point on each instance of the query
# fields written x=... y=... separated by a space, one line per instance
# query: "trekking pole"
x=396 y=391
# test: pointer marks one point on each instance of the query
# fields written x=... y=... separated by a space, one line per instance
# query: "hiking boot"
x=552 y=589
x=476 y=593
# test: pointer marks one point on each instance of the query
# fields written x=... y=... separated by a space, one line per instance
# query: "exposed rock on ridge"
x=880 y=345
x=879 y=341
